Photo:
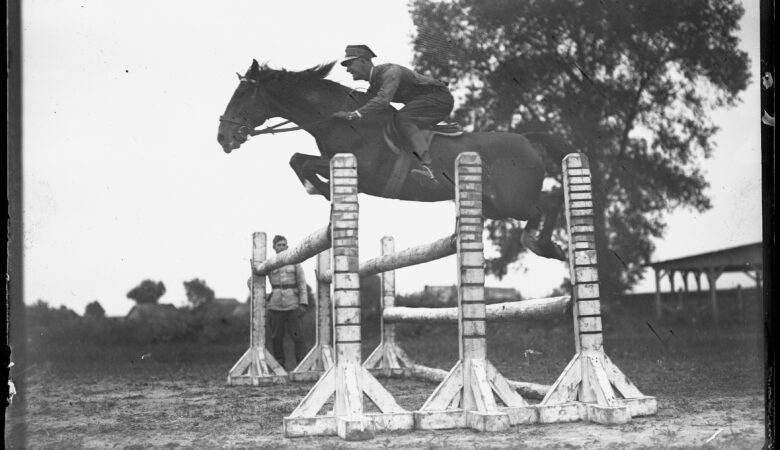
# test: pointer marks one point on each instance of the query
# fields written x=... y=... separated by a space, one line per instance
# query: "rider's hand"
x=341 y=115
x=302 y=310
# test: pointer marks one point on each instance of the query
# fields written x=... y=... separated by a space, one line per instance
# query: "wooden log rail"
x=310 y=246
x=412 y=256
x=496 y=312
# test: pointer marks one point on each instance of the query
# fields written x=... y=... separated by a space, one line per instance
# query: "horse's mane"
x=264 y=72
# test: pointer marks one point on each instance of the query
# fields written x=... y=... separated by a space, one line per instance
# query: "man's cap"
x=356 y=51
x=278 y=238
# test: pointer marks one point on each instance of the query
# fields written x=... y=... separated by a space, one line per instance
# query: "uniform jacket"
x=394 y=83
x=288 y=286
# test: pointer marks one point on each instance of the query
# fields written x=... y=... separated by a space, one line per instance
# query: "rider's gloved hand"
x=345 y=115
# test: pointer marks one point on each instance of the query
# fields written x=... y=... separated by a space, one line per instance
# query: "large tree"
x=630 y=83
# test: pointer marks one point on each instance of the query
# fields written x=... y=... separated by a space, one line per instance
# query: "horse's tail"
x=552 y=147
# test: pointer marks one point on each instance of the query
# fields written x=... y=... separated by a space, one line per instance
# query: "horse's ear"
x=239 y=76
x=255 y=66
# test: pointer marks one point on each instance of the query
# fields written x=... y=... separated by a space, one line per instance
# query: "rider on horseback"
x=426 y=101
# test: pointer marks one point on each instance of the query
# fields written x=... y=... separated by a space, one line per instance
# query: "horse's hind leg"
x=540 y=242
x=309 y=169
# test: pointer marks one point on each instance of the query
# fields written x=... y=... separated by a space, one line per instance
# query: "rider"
x=426 y=101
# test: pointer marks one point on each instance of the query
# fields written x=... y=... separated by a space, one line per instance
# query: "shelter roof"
x=735 y=259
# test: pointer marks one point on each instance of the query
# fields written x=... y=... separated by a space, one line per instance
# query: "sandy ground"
x=165 y=414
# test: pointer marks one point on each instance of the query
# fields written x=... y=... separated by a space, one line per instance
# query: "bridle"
x=246 y=129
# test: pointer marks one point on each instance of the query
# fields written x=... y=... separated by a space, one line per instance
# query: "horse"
x=513 y=167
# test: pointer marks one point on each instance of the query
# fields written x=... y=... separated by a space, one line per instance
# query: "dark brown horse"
x=514 y=169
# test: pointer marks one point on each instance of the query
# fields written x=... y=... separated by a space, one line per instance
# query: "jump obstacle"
x=465 y=398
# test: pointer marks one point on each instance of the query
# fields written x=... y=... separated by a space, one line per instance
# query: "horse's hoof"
x=546 y=249
x=552 y=250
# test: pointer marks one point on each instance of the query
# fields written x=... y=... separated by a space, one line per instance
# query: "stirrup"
x=425 y=175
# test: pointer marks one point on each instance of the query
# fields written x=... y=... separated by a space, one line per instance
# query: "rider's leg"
x=423 y=111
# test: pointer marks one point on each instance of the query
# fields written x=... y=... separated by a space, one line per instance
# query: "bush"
x=147 y=292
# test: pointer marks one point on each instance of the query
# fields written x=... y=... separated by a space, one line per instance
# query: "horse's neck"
x=310 y=106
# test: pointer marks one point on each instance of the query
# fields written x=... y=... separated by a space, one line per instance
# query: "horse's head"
x=263 y=93
x=246 y=110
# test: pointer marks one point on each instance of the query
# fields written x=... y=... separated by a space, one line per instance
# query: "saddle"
x=403 y=160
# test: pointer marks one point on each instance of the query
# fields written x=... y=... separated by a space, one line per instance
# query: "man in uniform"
x=426 y=101
x=286 y=305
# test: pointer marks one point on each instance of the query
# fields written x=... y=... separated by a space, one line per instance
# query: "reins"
x=273 y=129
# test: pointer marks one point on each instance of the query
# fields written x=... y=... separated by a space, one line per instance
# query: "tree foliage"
x=198 y=292
x=147 y=292
x=94 y=311
x=629 y=83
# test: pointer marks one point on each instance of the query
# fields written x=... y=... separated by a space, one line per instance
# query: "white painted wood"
x=305 y=249
x=620 y=381
x=497 y=312
x=502 y=388
x=322 y=391
x=524 y=388
x=451 y=386
x=377 y=393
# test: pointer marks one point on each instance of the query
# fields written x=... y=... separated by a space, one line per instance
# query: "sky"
x=124 y=179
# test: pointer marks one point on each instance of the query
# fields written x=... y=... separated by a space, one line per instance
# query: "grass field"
x=167 y=395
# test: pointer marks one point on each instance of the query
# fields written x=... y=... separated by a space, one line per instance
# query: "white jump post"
x=388 y=358
x=258 y=366
x=346 y=381
x=320 y=357
x=465 y=399
x=585 y=389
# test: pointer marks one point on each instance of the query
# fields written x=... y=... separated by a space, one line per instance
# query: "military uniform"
x=426 y=101
x=288 y=286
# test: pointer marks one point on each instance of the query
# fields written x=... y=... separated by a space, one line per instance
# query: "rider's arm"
x=391 y=79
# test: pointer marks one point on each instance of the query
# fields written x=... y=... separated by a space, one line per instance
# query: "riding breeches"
x=280 y=322
x=423 y=111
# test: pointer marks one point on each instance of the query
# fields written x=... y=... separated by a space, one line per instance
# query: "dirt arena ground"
x=709 y=385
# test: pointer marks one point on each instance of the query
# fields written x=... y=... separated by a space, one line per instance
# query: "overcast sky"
x=124 y=179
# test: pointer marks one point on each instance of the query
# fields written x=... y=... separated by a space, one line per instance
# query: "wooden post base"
x=592 y=388
x=447 y=408
x=352 y=424
x=256 y=367
x=317 y=361
x=389 y=360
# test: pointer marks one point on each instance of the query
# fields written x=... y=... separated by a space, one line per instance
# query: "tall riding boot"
x=420 y=149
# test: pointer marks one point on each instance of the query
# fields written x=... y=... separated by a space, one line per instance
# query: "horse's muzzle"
x=228 y=145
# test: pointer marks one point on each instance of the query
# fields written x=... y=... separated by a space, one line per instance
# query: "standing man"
x=426 y=101
x=286 y=305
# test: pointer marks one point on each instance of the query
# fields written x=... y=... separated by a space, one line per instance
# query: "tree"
x=94 y=311
x=629 y=83
x=198 y=292
x=147 y=292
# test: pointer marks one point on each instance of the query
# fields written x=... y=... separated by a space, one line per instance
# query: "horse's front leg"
x=310 y=171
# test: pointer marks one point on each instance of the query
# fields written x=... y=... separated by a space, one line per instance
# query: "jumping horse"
x=513 y=166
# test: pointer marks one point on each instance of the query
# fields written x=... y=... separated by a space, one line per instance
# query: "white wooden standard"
x=257 y=365
x=466 y=398
x=320 y=357
x=388 y=358
x=591 y=387
x=347 y=381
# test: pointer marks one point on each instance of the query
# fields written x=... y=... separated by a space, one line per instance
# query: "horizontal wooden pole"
x=526 y=389
x=311 y=245
x=496 y=312
x=441 y=248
